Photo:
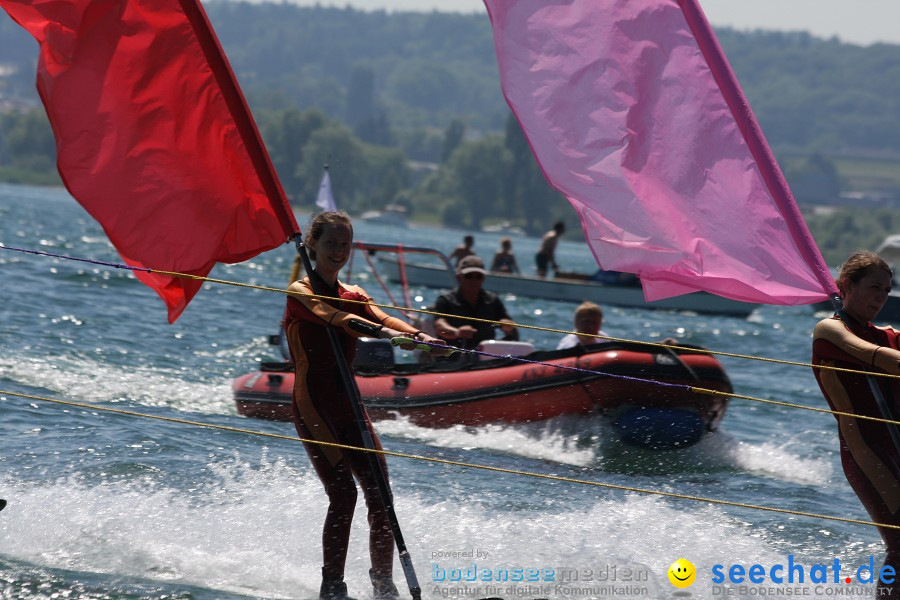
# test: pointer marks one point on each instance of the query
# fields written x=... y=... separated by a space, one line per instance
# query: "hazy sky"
x=855 y=21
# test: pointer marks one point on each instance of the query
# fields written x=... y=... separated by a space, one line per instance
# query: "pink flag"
x=635 y=116
x=153 y=136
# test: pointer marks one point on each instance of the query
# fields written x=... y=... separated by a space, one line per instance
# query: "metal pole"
x=381 y=482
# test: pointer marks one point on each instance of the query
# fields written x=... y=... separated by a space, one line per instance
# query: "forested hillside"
x=371 y=91
x=422 y=69
x=808 y=93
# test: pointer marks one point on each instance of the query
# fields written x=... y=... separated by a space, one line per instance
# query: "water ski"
x=2 y=503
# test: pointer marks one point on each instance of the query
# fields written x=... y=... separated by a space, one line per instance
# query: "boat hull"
x=571 y=290
x=620 y=381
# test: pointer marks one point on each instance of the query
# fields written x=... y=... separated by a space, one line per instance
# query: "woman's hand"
x=424 y=337
x=390 y=334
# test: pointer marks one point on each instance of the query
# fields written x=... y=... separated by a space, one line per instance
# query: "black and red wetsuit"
x=322 y=411
x=868 y=455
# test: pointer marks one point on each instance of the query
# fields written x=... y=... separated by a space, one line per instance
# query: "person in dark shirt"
x=467 y=301
x=504 y=259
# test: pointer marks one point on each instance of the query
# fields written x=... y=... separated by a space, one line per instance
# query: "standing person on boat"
x=463 y=250
x=588 y=320
x=546 y=254
x=504 y=259
x=870 y=458
x=321 y=405
x=467 y=301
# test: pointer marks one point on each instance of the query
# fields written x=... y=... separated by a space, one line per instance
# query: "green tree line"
x=808 y=93
x=412 y=73
x=845 y=230
x=374 y=95
x=494 y=176
x=27 y=149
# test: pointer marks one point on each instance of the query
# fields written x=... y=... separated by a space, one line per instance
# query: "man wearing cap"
x=467 y=301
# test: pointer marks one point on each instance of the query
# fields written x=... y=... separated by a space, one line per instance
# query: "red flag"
x=154 y=137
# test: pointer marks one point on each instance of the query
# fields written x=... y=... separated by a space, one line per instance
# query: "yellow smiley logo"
x=682 y=573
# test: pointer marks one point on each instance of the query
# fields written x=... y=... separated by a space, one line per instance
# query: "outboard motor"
x=373 y=354
x=280 y=340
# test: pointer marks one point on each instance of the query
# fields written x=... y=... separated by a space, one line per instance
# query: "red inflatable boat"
x=508 y=390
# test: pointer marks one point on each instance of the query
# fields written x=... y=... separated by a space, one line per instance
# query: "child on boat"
x=869 y=455
x=588 y=320
x=321 y=405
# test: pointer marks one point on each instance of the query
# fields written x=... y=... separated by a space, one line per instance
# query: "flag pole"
x=280 y=204
x=378 y=473
x=755 y=140
x=774 y=178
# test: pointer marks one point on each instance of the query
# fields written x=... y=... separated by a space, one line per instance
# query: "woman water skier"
x=869 y=456
x=321 y=406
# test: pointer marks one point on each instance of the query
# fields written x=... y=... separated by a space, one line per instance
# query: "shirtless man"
x=546 y=254
x=463 y=250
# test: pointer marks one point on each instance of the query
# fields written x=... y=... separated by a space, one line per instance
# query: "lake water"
x=112 y=506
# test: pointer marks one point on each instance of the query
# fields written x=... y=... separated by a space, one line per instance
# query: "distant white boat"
x=889 y=250
x=393 y=215
x=565 y=289
x=505 y=227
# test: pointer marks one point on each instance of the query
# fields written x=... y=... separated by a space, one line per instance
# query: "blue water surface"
x=106 y=505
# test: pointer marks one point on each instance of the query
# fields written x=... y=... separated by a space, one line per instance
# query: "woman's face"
x=864 y=299
x=333 y=247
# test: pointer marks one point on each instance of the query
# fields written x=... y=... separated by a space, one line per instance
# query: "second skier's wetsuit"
x=869 y=457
